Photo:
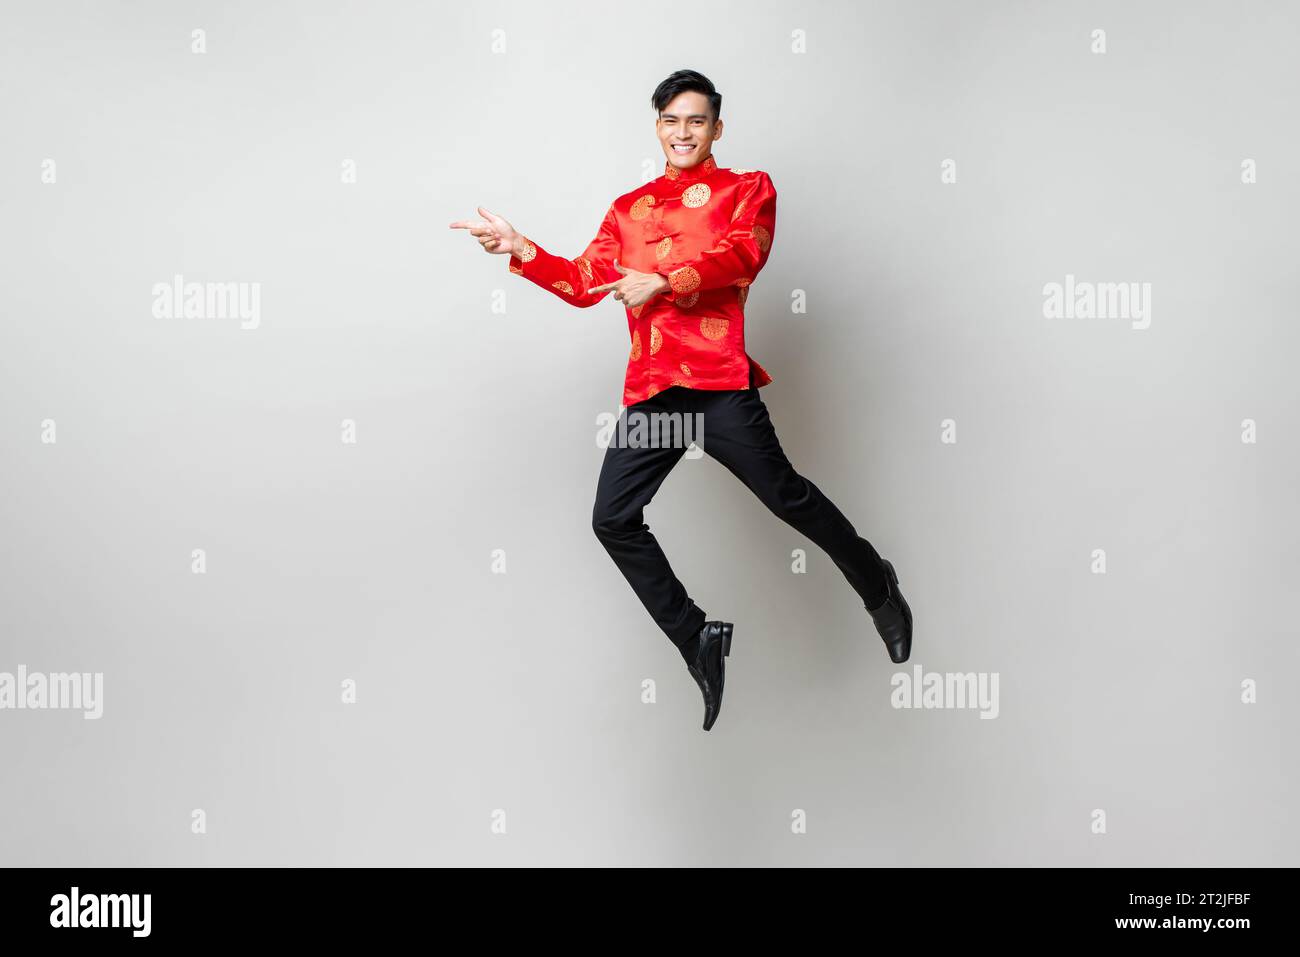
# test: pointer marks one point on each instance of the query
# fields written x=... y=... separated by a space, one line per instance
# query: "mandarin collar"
x=693 y=175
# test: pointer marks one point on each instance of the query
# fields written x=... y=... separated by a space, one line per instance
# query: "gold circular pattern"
x=743 y=281
x=651 y=393
x=736 y=169
x=528 y=253
x=517 y=271
x=696 y=196
x=687 y=301
x=711 y=327
x=665 y=246
x=741 y=295
x=707 y=167
x=684 y=280
x=685 y=368
x=636 y=346
x=641 y=208
x=762 y=237
x=584 y=267
x=678 y=382
x=656 y=340
x=740 y=208
x=636 y=311
x=562 y=286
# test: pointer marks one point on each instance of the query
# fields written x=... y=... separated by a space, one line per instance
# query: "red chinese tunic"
x=709 y=231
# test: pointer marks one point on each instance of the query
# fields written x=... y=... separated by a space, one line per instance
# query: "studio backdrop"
x=298 y=563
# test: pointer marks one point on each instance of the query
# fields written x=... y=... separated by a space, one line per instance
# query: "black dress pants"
x=734 y=428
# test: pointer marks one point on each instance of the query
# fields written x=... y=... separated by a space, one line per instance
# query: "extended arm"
x=572 y=279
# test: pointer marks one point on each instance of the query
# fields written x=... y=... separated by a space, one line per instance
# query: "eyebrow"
x=693 y=116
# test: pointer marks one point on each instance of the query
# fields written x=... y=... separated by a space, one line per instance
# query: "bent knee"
x=604 y=521
x=609 y=522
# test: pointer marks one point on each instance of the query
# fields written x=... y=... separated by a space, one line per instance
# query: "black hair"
x=687 y=81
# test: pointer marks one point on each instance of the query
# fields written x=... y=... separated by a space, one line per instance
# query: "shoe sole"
x=907 y=611
x=722 y=675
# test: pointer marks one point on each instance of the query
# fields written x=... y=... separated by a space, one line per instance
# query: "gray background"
x=476 y=431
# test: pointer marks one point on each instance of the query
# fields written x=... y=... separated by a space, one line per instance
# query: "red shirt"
x=709 y=231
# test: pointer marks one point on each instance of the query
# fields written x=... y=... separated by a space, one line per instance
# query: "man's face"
x=688 y=122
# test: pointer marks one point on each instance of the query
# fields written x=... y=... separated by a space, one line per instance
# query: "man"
x=680 y=253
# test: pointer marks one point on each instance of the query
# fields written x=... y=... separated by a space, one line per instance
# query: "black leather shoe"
x=709 y=666
x=894 y=619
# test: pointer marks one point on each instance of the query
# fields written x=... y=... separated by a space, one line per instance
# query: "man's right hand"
x=494 y=234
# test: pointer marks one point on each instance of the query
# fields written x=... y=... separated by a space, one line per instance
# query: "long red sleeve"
x=738 y=256
x=571 y=278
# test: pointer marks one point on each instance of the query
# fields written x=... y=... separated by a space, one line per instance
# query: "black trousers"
x=737 y=431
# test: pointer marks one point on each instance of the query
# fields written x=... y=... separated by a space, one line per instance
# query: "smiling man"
x=680 y=253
